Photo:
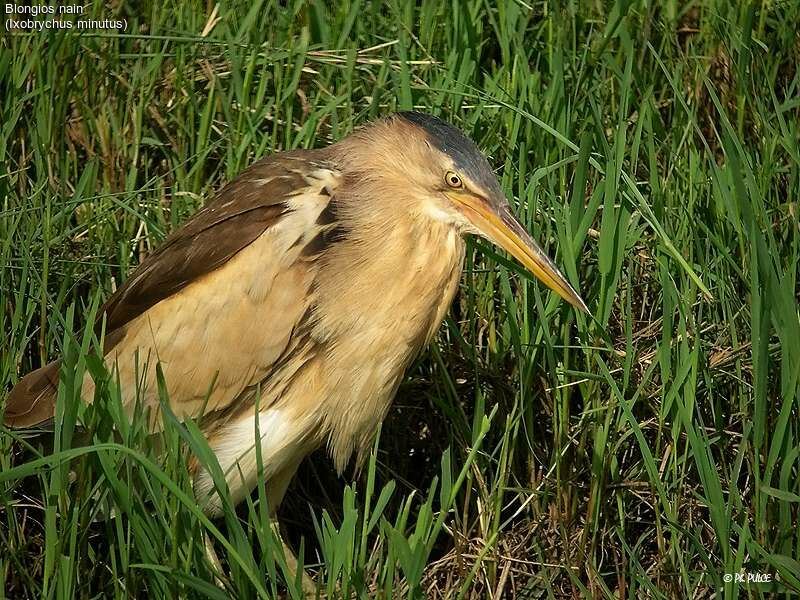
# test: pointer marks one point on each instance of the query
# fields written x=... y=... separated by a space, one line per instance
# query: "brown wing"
x=32 y=401
x=240 y=213
x=160 y=308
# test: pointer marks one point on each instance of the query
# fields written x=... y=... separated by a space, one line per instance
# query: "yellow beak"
x=502 y=228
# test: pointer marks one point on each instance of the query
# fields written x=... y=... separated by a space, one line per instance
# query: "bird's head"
x=420 y=156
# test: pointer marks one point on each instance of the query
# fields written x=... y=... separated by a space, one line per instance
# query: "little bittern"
x=300 y=295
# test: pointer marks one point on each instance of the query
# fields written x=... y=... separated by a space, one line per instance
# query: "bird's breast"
x=371 y=322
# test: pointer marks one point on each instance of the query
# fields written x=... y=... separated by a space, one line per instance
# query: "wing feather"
x=216 y=303
x=239 y=214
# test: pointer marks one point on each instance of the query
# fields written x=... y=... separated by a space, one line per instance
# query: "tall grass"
x=649 y=451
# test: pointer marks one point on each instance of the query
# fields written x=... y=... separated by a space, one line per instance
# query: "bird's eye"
x=453 y=180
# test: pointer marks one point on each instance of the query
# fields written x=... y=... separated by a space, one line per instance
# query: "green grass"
x=652 y=148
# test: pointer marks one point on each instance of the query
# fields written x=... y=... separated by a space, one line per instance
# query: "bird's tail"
x=32 y=402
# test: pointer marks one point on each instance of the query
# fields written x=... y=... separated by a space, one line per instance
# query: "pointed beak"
x=502 y=228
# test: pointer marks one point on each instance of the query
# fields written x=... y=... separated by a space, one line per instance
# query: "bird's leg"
x=308 y=585
x=213 y=560
x=292 y=565
x=275 y=490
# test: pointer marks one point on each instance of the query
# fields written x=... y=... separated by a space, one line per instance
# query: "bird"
x=295 y=300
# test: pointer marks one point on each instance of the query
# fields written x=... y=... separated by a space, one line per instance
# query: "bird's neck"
x=405 y=272
x=380 y=299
